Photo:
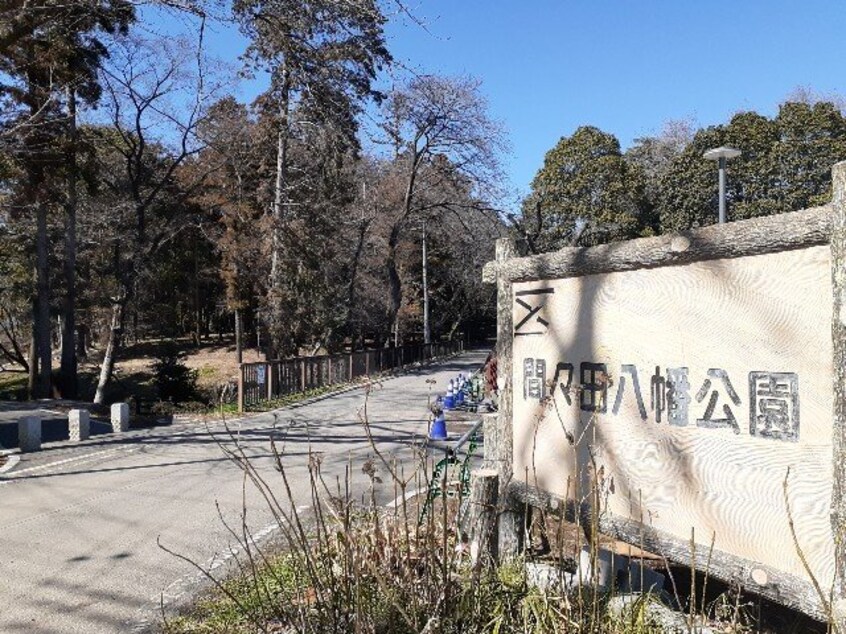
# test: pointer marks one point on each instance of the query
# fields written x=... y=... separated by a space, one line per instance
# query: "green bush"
x=174 y=381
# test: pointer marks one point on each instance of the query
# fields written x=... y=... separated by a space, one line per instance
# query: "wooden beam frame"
x=838 y=334
x=756 y=236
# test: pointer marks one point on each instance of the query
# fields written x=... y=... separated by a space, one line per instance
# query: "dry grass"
x=352 y=567
x=215 y=363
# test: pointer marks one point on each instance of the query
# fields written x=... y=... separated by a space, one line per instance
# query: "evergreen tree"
x=326 y=53
x=49 y=54
x=586 y=192
x=785 y=165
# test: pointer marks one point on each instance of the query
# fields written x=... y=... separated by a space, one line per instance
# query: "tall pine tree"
x=49 y=54
x=325 y=52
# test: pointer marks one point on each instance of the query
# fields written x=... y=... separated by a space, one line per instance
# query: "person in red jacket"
x=490 y=374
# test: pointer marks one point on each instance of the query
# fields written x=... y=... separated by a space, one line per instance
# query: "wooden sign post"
x=692 y=387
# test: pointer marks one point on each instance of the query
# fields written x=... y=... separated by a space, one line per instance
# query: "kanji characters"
x=566 y=388
x=621 y=388
x=708 y=419
x=773 y=396
x=678 y=396
x=774 y=405
x=534 y=378
x=593 y=396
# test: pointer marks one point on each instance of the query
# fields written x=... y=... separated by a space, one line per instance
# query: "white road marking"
x=75 y=459
x=11 y=461
x=188 y=583
x=410 y=494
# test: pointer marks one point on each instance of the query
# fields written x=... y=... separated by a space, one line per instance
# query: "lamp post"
x=722 y=154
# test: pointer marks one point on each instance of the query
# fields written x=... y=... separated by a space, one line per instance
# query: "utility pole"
x=427 y=337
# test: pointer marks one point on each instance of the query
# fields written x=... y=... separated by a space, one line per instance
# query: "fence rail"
x=270 y=380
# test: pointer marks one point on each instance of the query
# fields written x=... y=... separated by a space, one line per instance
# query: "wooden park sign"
x=696 y=380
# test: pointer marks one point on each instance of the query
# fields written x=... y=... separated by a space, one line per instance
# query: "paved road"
x=79 y=525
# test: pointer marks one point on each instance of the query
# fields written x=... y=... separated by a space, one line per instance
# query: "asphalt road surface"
x=79 y=524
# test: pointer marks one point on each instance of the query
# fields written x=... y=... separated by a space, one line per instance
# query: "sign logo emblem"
x=532 y=302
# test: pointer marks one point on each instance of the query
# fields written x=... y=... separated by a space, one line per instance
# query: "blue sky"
x=548 y=67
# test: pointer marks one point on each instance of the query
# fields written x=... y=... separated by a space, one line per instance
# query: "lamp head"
x=717 y=153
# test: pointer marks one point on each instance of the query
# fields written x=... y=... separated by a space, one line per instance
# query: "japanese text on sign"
x=773 y=397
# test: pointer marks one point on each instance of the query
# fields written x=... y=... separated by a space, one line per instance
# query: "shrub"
x=174 y=381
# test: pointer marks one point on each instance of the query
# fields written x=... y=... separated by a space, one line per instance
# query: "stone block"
x=120 y=417
x=550 y=578
x=79 y=424
x=643 y=579
x=29 y=434
x=603 y=577
x=608 y=566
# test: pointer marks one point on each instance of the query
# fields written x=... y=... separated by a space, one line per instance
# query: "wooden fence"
x=269 y=380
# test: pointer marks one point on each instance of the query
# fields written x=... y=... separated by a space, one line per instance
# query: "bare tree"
x=156 y=97
x=447 y=152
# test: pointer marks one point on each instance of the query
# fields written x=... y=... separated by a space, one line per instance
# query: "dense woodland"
x=589 y=191
x=139 y=199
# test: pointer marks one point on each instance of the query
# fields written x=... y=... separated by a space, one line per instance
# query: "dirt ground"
x=215 y=363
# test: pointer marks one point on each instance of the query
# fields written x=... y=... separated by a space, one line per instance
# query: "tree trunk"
x=110 y=356
x=69 y=366
x=42 y=303
x=275 y=306
x=8 y=328
x=33 y=198
x=81 y=342
x=359 y=248
x=196 y=313
x=394 y=282
x=454 y=327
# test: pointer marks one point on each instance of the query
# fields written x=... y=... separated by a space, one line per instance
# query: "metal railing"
x=270 y=380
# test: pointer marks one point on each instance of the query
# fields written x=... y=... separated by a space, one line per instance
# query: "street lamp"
x=722 y=154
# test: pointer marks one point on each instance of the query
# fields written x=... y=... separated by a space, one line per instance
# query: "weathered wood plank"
x=838 y=335
x=765 y=581
x=511 y=520
x=732 y=325
x=492 y=434
x=482 y=519
x=755 y=236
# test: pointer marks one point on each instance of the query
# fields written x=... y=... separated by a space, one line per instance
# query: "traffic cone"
x=438 y=430
x=449 y=401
